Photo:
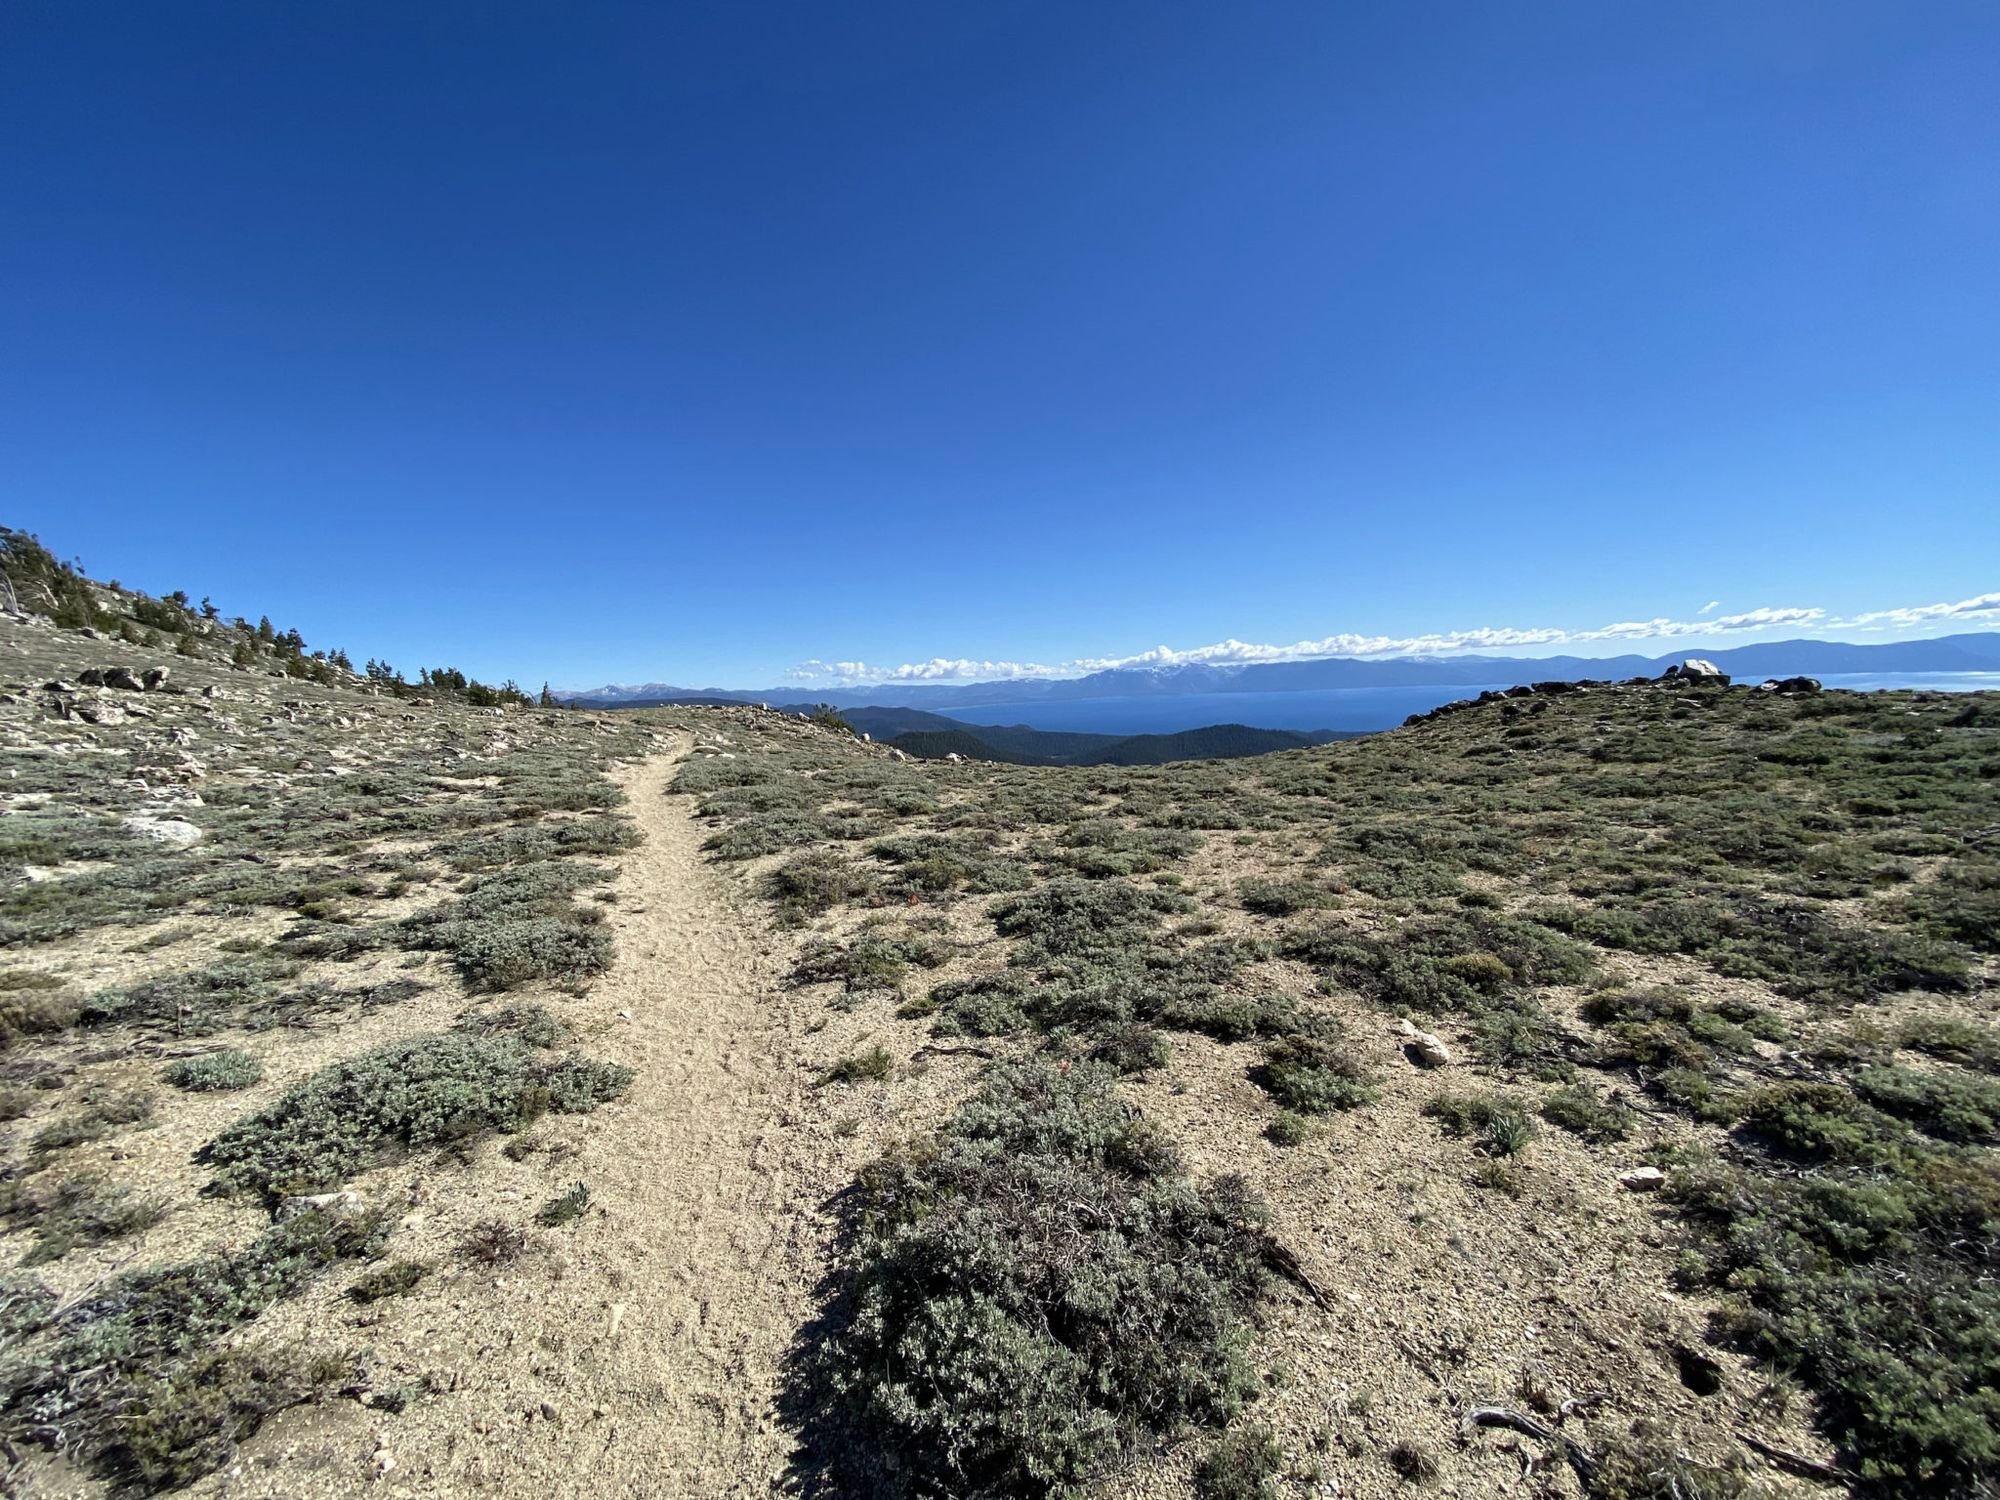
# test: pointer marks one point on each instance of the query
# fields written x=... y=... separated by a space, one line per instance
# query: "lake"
x=1336 y=708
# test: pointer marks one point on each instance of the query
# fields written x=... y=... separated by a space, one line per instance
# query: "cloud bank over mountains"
x=1982 y=607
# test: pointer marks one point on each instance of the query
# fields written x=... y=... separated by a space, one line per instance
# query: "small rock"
x=1790 y=685
x=1642 y=1180
x=1422 y=1047
x=152 y=679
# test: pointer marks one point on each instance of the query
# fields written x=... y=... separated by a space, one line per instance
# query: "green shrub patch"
x=1038 y=1289
x=434 y=1089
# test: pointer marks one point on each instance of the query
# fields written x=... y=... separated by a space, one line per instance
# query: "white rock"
x=1642 y=1180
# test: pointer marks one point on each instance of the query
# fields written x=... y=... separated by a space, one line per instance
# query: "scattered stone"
x=152 y=679
x=1422 y=1047
x=1643 y=1180
x=57 y=685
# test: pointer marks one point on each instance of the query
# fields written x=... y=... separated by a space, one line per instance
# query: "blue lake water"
x=1337 y=708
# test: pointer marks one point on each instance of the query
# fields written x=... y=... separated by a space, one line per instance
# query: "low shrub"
x=1502 y=1126
x=517 y=926
x=74 y=1212
x=389 y=1280
x=130 y=1385
x=1578 y=1110
x=443 y=1087
x=1288 y=1128
x=1245 y=1465
x=1036 y=1290
x=818 y=881
x=566 y=1207
x=874 y=1064
x=493 y=1242
x=1948 y=1105
x=215 y=1072
x=1315 y=1075
x=1133 y=1047
x=1283 y=898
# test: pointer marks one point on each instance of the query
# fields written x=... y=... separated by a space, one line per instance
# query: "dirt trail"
x=637 y=1352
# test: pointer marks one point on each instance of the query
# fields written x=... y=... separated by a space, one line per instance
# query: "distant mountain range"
x=933 y=736
x=1952 y=653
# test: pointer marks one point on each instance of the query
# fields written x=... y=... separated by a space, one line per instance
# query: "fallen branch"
x=1798 y=1463
x=1286 y=1264
x=1534 y=1427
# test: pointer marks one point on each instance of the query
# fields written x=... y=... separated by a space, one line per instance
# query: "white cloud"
x=1710 y=608
x=1980 y=607
x=1484 y=638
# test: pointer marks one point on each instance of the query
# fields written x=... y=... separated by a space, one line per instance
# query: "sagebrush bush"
x=1038 y=1288
x=1578 y=1110
x=817 y=881
x=1245 y=1465
x=519 y=925
x=75 y=1211
x=129 y=1384
x=1316 y=1075
x=214 y=1072
x=437 y=1088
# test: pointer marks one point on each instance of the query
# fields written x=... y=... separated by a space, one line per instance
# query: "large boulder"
x=1790 y=685
x=1697 y=669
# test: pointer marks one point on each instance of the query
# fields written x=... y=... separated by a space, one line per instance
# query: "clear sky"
x=691 y=342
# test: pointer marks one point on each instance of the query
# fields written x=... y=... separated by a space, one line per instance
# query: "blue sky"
x=692 y=343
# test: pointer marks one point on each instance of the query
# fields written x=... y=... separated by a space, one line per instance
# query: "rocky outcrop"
x=124 y=678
